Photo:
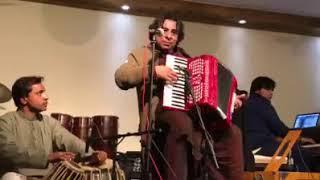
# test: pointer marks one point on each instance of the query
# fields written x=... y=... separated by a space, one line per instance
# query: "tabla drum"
x=105 y=126
x=64 y=119
x=81 y=127
x=66 y=170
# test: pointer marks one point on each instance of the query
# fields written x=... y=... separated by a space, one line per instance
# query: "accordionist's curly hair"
x=158 y=22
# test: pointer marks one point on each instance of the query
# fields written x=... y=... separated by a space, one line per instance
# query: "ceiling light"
x=125 y=7
x=242 y=21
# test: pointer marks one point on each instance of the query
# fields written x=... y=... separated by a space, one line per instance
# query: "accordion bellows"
x=212 y=84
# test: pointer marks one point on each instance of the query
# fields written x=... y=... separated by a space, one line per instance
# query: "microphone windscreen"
x=160 y=32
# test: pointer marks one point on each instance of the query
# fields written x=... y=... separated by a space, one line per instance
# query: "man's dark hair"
x=22 y=87
x=158 y=22
x=262 y=82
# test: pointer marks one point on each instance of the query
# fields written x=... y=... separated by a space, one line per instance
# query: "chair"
x=239 y=120
x=286 y=143
x=271 y=172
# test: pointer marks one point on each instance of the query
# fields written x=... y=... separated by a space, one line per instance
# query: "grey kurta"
x=26 y=143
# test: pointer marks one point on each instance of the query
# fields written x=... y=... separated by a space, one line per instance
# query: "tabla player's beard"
x=37 y=110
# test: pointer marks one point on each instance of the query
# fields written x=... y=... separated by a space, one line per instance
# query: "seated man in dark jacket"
x=264 y=129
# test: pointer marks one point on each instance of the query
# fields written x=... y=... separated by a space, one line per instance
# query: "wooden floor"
x=281 y=175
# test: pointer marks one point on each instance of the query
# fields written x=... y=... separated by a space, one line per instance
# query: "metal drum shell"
x=81 y=127
x=105 y=126
x=64 y=119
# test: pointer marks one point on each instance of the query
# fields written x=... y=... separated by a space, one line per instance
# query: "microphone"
x=154 y=30
x=157 y=32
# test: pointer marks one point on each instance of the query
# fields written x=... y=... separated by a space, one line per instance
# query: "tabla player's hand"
x=101 y=156
x=61 y=156
x=166 y=73
x=97 y=158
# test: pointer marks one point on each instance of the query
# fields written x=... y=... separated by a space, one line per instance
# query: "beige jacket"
x=132 y=73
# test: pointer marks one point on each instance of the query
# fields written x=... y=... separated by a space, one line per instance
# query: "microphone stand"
x=88 y=140
x=146 y=172
x=91 y=139
x=208 y=138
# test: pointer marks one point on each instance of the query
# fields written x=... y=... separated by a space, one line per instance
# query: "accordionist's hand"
x=239 y=101
x=166 y=73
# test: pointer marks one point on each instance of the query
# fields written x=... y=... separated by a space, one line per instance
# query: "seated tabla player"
x=30 y=141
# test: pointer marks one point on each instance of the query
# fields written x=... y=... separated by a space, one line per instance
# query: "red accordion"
x=213 y=85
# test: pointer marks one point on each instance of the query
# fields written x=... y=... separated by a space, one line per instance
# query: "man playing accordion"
x=183 y=137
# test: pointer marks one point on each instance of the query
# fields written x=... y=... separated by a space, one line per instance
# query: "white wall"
x=78 y=51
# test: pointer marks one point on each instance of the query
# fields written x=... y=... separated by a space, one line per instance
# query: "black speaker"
x=130 y=163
